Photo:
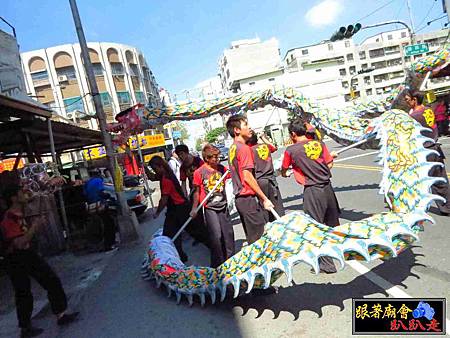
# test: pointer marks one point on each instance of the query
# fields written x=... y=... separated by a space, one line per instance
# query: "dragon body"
x=297 y=238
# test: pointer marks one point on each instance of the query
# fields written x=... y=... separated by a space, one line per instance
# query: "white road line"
x=391 y=289
x=356 y=156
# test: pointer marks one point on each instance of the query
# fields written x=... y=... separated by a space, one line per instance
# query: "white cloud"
x=324 y=13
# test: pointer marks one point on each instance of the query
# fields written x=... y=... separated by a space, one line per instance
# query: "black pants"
x=176 y=215
x=197 y=228
x=440 y=188
x=252 y=217
x=320 y=202
x=109 y=229
x=443 y=127
x=20 y=266
x=221 y=235
x=269 y=187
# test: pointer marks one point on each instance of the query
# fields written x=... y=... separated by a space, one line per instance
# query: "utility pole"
x=127 y=223
x=408 y=4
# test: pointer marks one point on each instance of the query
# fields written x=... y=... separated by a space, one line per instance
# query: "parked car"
x=223 y=156
x=135 y=194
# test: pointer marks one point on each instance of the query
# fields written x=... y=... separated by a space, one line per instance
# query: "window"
x=362 y=55
x=124 y=97
x=403 y=35
x=134 y=70
x=389 y=36
x=367 y=80
x=330 y=46
x=117 y=68
x=374 y=53
x=74 y=103
x=364 y=66
x=349 y=57
x=98 y=69
x=352 y=70
x=106 y=99
x=251 y=84
x=344 y=84
x=379 y=65
x=304 y=52
x=140 y=97
x=347 y=43
x=67 y=71
x=228 y=74
x=271 y=79
x=40 y=78
x=369 y=91
x=342 y=72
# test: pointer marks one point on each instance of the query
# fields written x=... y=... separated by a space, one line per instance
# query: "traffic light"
x=346 y=33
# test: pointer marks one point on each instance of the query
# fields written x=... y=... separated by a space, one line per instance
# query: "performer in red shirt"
x=173 y=198
x=311 y=163
x=220 y=230
x=22 y=262
x=189 y=164
x=245 y=186
x=265 y=173
x=425 y=116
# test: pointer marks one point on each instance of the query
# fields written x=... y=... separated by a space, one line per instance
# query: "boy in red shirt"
x=265 y=173
x=220 y=230
x=173 y=198
x=189 y=164
x=245 y=186
x=311 y=163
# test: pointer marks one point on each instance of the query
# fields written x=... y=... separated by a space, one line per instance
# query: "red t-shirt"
x=168 y=188
x=205 y=178
x=11 y=226
x=240 y=158
x=309 y=160
x=187 y=172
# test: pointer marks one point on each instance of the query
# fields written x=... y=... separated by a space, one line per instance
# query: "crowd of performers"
x=185 y=180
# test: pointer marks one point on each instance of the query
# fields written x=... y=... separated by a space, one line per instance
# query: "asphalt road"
x=123 y=305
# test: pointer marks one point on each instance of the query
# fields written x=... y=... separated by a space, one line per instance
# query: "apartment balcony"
x=40 y=82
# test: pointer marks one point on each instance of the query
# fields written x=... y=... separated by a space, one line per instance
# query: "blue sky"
x=182 y=40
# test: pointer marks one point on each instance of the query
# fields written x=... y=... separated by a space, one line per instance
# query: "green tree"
x=212 y=135
x=198 y=144
x=184 y=133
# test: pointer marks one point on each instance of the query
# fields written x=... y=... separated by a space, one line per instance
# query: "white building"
x=250 y=65
x=342 y=60
x=56 y=77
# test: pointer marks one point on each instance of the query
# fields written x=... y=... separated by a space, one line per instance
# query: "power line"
x=376 y=10
x=77 y=100
x=428 y=13
x=429 y=22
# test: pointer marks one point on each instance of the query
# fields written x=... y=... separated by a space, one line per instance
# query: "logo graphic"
x=407 y=316
x=263 y=151
x=212 y=180
x=313 y=149
x=232 y=153
x=429 y=117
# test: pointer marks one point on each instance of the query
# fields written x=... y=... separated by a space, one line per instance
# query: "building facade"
x=384 y=53
x=56 y=77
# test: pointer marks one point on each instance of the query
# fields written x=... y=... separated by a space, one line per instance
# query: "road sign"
x=419 y=48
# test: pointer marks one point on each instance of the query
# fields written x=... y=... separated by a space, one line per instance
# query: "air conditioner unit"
x=62 y=78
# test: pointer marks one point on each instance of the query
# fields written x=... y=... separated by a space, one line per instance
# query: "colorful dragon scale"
x=296 y=237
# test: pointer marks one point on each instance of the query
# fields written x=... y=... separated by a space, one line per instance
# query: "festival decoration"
x=296 y=237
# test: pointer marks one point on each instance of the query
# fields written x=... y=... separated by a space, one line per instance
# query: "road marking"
x=391 y=289
x=356 y=156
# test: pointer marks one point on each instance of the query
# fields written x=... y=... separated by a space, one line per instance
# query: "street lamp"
x=359 y=72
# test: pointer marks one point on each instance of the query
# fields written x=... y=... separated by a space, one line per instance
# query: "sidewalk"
x=77 y=274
